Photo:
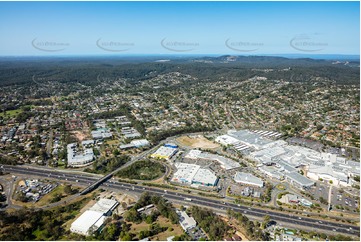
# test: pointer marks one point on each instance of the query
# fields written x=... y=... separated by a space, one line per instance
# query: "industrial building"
x=248 y=179
x=194 y=174
x=164 y=152
x=135 y=144
x=224 y=162
x=77 y=159
x=94 y=218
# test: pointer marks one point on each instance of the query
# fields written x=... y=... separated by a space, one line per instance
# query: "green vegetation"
x=10 y=113
x=280 y=195
x=102 y=166
x=253 y=229
x=158 y=136
x=28 y=224
x=160 y=185
x=142 y=170
x=165 y=209
x=215 y=227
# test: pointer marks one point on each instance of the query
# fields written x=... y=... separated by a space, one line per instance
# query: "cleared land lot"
x=197 y=142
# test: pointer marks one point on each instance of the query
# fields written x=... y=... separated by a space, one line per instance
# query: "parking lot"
x=344 y=201
x=320 y=190
x=340 y=199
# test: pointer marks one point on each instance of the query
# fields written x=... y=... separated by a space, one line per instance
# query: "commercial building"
x=271 y=172
x=194 y=174
x=249 y=138
x=224 y=162
x=205 y=177
x=185 y=221
x=94 y=218
x=298 y=180
x=76 y=158
x=226 y=140
x=248 y=179
x=164 y=153
x=289 y=158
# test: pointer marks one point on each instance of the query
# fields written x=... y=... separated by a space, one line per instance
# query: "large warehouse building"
x=94 y=218
x=194 y=174
x=165 y=152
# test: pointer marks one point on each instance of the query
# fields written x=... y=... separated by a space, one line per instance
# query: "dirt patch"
x=80 y=135
x=197 y=141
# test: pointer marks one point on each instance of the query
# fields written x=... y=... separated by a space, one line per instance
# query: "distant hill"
x=20 y=70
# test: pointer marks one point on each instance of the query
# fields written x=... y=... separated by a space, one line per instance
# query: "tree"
x=266 y=220
x=68 y=190
x=2 y=198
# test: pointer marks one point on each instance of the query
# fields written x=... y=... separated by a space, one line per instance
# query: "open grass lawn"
x=164 y=222
x=11 y=113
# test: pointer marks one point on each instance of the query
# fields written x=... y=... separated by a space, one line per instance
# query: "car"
x=334 y=230
x=320 y=222
x=299 y=218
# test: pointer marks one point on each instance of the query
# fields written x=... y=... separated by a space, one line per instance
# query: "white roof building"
x=185 y=221
x=226 y=140
x=77 y=159
x=185 y=172
x=194 y=174
x=248 y=179
x=88 y=222
x=92 y=219
x=164 y=152
x=205 y=177
x=140 y=142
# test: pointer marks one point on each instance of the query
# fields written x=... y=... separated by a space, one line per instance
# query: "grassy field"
x=164 y=222
x=11 y=113
x=197 y=142
x=143 y=170
x=112 y=142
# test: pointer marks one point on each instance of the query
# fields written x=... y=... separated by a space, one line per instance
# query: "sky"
x=152 y=28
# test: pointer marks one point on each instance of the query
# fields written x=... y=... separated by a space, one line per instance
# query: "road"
x=287 y=220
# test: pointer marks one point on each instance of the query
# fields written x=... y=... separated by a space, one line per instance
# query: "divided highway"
x=286 y=219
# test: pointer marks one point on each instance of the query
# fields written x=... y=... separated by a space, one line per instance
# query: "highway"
x=285 y=219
